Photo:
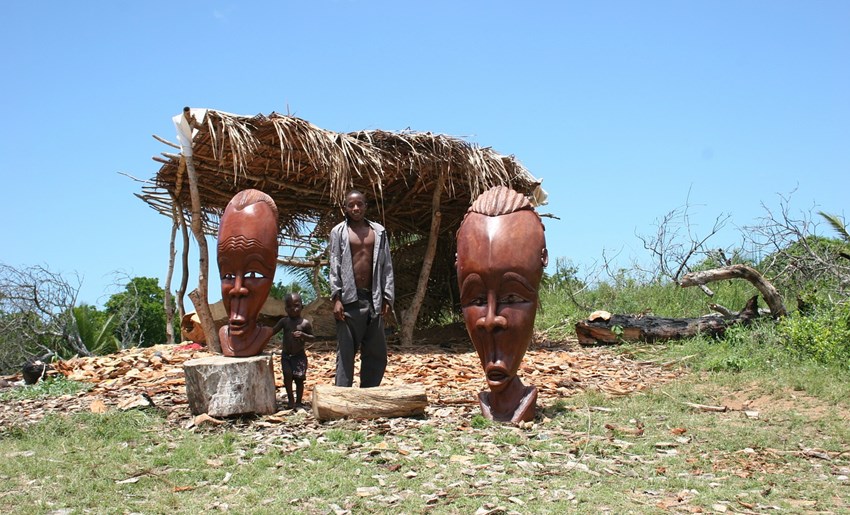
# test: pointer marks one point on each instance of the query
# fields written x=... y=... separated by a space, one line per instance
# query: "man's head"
x=355 y=206
x=501 y=253
x=247 y=259
x=293 y=304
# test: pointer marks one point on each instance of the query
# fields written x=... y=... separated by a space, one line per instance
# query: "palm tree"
x=838 y=224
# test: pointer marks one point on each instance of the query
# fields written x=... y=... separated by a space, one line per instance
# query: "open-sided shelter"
x=419 y=186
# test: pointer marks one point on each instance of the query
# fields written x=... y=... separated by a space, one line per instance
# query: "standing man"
x=362 y=290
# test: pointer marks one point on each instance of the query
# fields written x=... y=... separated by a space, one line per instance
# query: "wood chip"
x=97 y=406
x=452 y=379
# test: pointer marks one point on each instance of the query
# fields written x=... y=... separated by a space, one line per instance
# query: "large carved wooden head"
x=247 y=260
x=501 y=253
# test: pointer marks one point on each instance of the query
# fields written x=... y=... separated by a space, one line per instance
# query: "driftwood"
x=604 y=328
x=767 y=290
x=332 y=402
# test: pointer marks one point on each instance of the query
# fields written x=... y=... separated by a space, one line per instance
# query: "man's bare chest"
x=361 y=239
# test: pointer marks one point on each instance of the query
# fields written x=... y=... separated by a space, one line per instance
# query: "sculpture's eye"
x=511 y=298
x=228 y=277
x=254 y=275
x=480 y=300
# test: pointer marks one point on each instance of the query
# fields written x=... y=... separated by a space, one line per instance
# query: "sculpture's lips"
x=238 y=323
x=497 y=375
x=237 y=327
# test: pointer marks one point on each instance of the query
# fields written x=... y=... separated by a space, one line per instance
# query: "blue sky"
x=626 y=109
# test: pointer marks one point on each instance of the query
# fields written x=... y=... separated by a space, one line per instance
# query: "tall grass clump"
x=822 y=334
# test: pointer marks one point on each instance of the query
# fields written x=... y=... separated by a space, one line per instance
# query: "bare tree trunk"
x=202 y=305
x=770 y=294
x=408 y=322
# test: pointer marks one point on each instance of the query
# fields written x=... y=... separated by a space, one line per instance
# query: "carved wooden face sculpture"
x=500 y=261
x=247 y=259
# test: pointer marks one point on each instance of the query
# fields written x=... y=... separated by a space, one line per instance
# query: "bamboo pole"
x=200 y=299
x=408 y=322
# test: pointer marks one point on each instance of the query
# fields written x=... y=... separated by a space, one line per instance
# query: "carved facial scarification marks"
x=240 y=242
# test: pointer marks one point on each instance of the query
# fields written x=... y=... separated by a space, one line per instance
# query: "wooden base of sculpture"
x=332 y=402
x=221 y=386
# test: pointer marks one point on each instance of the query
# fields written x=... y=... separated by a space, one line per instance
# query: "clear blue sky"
x=622 y=107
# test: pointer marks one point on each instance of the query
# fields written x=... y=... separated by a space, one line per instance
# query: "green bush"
x=822 y=335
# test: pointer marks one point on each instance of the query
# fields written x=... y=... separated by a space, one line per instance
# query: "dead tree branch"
x=767 y=290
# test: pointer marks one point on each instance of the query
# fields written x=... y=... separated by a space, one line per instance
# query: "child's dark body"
x=293 y=357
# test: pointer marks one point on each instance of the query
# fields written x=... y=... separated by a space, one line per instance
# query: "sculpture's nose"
x=492 y=321
x=239 y=289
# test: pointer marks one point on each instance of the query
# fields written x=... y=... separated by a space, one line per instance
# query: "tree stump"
x=332 y=402
x=222 y=386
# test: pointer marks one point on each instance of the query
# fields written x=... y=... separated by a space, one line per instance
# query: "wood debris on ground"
x=451 y=375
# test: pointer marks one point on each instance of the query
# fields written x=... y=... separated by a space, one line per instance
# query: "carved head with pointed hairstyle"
x=501 y=253
x=247 y=260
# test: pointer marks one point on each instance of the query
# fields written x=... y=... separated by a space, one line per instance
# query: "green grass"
x=581 y=456
x=784 y=446
x=50 y=387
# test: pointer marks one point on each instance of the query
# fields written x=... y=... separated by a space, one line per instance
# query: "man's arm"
x=335 y=278
x=335 y=257
x=389 y=276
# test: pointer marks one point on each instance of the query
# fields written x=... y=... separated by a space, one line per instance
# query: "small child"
x=293 y=358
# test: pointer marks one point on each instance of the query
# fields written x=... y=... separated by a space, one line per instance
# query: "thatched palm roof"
x=307 y=171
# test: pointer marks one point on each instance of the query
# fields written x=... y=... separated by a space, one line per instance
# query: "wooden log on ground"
x=606 y=328
x=222 y=386
x=332 y=402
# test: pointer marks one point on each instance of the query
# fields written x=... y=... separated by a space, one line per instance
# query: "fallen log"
x=332 y=402
x=605 y=328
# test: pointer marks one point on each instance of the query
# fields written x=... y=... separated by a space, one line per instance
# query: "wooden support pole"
x=408 y=323
x=184 y=262
x=168 y=300
x=202 y=306
x=177 y=212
